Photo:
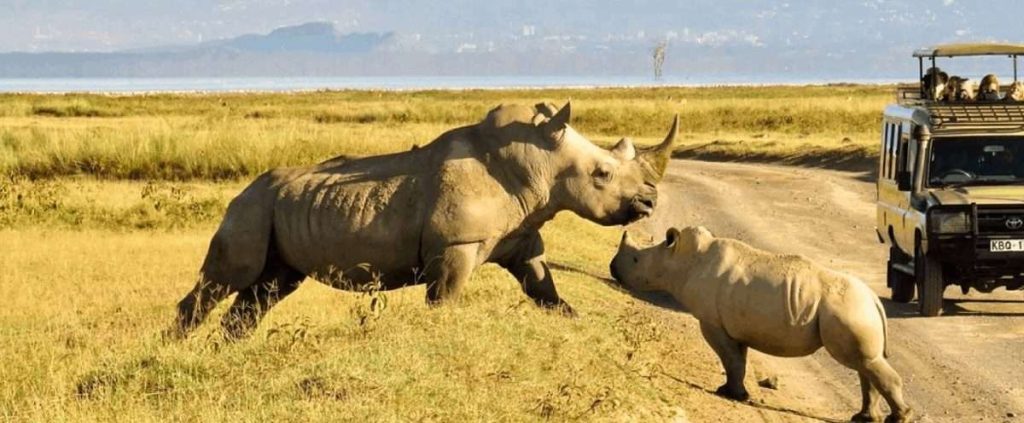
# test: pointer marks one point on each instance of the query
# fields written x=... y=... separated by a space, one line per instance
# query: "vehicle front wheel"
x=930 y=283
x=901 y=284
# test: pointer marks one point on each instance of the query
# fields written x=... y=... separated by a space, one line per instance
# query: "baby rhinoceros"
x=780 y=305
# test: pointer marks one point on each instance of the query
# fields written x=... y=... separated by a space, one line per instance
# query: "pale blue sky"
x=106 y=25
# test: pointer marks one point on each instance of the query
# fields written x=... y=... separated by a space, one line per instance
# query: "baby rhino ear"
x=686 y=241
x=672 y=238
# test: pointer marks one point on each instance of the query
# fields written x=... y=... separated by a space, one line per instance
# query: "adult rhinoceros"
x=476 y=194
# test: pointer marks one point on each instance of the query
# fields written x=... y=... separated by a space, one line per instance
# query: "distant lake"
x=228 y=84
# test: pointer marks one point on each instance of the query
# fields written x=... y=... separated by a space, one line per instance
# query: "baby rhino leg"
x=734 y=358
x=869 y=411
x=859 y=344
x=885 y=379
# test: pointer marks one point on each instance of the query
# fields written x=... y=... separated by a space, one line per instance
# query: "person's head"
x=1015 y=92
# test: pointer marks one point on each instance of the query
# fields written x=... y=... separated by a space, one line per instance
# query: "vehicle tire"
x=901 y=284
x=930 y=284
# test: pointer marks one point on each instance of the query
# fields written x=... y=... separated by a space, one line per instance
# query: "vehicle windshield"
x=976 y=161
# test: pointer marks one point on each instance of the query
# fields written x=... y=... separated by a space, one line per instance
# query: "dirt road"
x=967 y=365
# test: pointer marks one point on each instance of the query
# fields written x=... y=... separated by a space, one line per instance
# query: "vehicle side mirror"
x=903 y=181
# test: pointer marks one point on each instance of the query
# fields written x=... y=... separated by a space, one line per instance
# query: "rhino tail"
x=238 y=250
x=885 y=327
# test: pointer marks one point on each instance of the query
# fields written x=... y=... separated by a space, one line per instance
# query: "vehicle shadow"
x=951 y=307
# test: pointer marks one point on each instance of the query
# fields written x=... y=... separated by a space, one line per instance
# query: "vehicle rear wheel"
x=901 y=284
x=930 y=284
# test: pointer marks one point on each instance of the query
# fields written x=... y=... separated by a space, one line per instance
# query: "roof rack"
x=992 y=116
x=971 y=49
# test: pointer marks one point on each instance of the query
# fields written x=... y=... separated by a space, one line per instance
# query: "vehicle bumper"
x=969 y=257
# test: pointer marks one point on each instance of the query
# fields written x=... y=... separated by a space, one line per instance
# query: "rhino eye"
x=602 y=174
x=635 y=260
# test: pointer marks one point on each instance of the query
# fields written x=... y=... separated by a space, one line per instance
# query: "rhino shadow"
x=659 y=299
x=752 y=404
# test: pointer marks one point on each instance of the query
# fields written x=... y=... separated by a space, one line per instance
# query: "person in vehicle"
x=988 y=90
x=1015 y=92
x=958 y=89
x=934 y=83
x=1000 y=160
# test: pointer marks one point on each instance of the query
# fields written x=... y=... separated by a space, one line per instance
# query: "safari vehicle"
x=951 y=188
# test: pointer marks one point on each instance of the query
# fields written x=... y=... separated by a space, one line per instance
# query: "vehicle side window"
x=901 y=153
x=910 y=156
x=893 y=151
x=883 y=168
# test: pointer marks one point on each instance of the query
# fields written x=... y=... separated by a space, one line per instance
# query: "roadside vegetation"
x=231 y=136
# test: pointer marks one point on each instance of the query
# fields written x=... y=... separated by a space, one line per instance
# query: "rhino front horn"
x=659 y=155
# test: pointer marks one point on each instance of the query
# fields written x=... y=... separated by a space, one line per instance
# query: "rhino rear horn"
x=546 y=109
x=559 y=120
x=658 y=156
x=624 y=149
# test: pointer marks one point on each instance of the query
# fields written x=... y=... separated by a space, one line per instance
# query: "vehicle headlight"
x=950 y=222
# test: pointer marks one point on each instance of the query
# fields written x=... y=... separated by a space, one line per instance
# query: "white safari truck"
x=951 y=184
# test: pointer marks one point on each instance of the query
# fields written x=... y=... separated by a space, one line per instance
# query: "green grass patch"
x=84 y=204
x=180 y=137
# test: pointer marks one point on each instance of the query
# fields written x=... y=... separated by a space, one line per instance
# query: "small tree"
x=659 y=58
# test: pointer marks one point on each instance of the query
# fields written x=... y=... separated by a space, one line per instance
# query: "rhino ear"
x=688 y=240
x=624 y=149
x=559 y=120
x=672 y=237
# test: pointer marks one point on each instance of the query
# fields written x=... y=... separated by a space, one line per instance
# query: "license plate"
x=999 y=245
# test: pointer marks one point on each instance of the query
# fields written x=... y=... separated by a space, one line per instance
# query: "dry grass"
x=229 y=136
x=83 y=310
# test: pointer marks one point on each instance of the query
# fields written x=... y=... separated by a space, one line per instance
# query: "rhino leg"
x=277 y=281
x=236 y=257
x=889 y=383
x=860 y=345
x=869 y=411
x=529 y=267
x=448 y=271
x=734 y=359
x=196 y=305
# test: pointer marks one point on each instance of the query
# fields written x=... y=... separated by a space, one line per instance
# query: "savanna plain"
x=107 y=204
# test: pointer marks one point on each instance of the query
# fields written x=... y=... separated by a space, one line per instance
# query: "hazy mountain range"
x=806 y=38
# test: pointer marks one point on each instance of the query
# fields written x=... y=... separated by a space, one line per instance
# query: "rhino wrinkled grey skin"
x=431 y=215
x=781 y=305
